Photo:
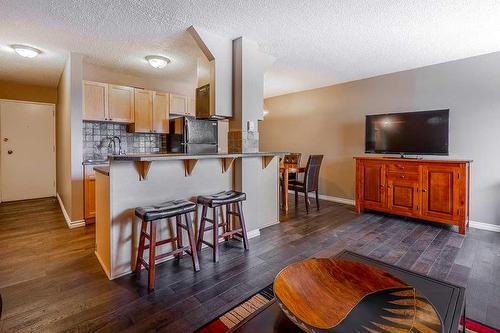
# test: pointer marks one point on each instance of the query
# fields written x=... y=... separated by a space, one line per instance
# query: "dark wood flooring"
x=50 y=280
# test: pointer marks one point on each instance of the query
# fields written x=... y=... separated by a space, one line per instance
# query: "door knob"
x=5 y=139
x=10 y=152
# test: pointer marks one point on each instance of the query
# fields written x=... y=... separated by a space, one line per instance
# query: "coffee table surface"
x=448 y=299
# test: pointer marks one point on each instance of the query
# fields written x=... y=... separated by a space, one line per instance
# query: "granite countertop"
x=180 y=156
x=102 y=169
x=95 y=162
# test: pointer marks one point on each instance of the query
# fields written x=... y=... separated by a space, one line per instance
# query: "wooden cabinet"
x=146 y=111
x=441 y=192
x=108 y=102
x=434 y=190
x=120 y=103
x=95 y=101
x=179 y=105
x=161 y=110
x=373 y=184
x=89 y=193
x=403 y=194
x=151 y=112
x=143 y=108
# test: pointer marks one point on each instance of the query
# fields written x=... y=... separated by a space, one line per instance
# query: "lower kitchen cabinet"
x=89 y=193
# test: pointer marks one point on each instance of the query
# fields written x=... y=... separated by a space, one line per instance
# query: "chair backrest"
x=292 y=158
x=311 y=176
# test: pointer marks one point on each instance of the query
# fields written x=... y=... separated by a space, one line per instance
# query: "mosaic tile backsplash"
x=97 y=135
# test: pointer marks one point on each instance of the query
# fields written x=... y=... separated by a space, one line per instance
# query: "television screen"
x=421 y=133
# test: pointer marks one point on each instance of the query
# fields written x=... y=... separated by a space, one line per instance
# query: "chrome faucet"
x=112 y=144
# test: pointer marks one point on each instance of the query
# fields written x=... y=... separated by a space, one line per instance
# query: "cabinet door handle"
x=424 y=190
x=403 y=176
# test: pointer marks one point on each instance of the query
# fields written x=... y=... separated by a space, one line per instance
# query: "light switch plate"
x=250 y=126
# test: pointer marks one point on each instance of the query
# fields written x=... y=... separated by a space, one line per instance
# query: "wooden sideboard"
x=433 y=190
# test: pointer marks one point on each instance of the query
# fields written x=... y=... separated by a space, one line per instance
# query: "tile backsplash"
x=96 y=136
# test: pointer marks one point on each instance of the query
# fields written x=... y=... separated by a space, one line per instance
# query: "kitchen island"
x=144 y=179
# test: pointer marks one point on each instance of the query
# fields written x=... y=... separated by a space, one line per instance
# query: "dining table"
x=285 y=170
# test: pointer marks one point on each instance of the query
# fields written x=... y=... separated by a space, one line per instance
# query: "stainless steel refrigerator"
x=192 y=136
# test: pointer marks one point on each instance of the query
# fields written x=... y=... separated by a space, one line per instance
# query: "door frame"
x=53 y=136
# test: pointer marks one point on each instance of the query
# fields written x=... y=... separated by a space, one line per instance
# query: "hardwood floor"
x=50 y=280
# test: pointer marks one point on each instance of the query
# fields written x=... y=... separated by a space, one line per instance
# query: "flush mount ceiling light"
x=26 y=51
x=157 y=61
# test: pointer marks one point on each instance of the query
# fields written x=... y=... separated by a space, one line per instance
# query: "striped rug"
x=234 y=316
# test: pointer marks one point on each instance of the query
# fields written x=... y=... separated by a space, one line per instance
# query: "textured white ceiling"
x=316 y=42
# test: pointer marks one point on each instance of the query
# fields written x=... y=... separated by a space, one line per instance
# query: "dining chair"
x=311 y=180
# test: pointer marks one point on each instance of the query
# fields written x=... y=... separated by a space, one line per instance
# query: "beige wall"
x=69 y=138
x=63 y=138
x=330 y=121
x=25 y=92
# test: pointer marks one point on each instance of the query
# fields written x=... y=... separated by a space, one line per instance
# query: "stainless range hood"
x=203 y=100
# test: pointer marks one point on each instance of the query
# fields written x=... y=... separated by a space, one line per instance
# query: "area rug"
x=237 y=314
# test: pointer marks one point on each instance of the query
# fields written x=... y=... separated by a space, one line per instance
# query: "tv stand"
x=433 y=190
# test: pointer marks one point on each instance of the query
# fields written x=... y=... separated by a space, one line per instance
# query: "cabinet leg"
x=461 y=228
x=358 y=209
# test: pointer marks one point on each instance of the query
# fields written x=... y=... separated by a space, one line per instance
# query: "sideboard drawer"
x=403 y=175
x=403 y=167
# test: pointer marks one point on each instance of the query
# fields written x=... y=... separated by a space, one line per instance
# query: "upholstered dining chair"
x=311 y=180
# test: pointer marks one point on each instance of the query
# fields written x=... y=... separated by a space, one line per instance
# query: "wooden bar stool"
x=215 y=201
x=151 y=215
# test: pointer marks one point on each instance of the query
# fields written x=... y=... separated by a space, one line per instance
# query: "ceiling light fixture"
x=26 y=51
x=157 y=61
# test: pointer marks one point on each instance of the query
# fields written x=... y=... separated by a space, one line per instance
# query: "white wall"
x=102 y=74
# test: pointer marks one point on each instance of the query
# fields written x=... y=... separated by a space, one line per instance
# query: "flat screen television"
x=418 y=133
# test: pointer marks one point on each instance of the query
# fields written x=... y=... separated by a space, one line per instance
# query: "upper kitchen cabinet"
x=143 y=111
x=108 y=102
x=179 y=105
x=121 y=103
x=161 y=110
x=151 y=111
x=95 y=101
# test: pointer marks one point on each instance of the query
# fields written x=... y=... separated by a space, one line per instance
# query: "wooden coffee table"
x=448 y=300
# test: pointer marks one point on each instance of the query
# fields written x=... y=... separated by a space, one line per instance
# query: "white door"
x=27 y=161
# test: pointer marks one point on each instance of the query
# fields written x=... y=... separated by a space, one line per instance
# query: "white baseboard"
x=71 y=224
x=484 y=226
x=329 y=198
x=472 y=224
x=253 y=233
x=104 y=268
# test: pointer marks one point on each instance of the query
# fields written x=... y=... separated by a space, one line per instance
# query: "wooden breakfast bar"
x=145 y=179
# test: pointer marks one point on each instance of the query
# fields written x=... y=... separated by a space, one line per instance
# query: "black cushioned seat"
x=221 y=198
x=165 y=210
